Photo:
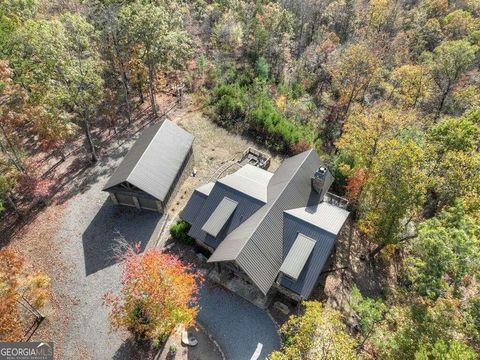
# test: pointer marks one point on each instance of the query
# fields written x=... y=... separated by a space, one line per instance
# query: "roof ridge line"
x=144 y=151
x=271 y=206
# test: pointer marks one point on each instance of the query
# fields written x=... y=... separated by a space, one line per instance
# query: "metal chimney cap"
x=321 y=172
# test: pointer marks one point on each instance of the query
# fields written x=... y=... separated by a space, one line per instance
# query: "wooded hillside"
x=388 y=92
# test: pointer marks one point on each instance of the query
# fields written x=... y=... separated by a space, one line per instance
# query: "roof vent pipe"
x=318 y=179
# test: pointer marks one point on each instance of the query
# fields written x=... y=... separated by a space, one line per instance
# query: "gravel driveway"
x=242 y=330
x=80 y=256
x=90 y=234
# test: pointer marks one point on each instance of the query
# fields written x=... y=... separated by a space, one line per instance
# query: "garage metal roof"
x=153 y=162
x=220 y=216
x=297 y=256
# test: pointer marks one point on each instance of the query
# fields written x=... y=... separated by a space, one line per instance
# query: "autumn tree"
x=454 y=162
x=18 y=284
x=410 y=84
x=366 y=130
x=392 y=193
x=57 y=62
x=312 y=64
x=8 y=179
x=459 y=24
x=158 y=293
x=353 y=73
x=319 y=333
x=36 y=53
x=82 y=74
x=449 y=61
x=118 y=50
x=367 y=312
x=13 y=114
x=156 y=28
x=445 y=257
x=270 y=39
x=228 y=33
x=423 y=330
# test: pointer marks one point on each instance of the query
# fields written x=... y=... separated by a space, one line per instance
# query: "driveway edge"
x=212 y=340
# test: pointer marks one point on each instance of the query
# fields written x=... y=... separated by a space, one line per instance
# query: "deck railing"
x=262 y=160
x=336 y=200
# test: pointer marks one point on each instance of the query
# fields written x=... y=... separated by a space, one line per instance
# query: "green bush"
x=254 y=105
x=230 y=103
x=262 y=68
x=179 y=231
x=266 y=119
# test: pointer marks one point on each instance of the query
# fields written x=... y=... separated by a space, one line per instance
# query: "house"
x=276 y=230
x=152 y=169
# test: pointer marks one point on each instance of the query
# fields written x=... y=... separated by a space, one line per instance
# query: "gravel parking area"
x=90 y=237
x=77 y=237
x=242 y=330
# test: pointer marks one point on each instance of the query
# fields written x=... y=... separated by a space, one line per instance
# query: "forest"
x=387 y=91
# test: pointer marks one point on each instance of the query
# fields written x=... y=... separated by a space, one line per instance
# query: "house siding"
x=193 y=207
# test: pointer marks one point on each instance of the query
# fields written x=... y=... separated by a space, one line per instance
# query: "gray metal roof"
x=193 y=207
x=153 y=162
x=206 y=189
x=324 y=215
x=249 y=180
x=246 y=207
x=325 y=241
x=257 y=245
x=260 y=232
x=220 y=216
x=297 y=256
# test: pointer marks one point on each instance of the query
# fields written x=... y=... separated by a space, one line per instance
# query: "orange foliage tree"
x=158 y=294
x=355 y=184
x=18 y=284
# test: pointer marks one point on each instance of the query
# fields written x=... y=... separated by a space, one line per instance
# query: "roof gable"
x=324 y=216
x=155 y=159
x=249 y=180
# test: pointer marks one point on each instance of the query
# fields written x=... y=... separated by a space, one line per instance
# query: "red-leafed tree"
x=355 y=184
x=300 y=146
x=158 y=294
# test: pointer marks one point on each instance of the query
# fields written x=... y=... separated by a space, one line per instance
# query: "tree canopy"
x=158 y=294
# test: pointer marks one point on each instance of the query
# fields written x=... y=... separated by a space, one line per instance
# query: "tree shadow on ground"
x=81 y=175
x=349 y=266
x=131 y=349
x=113 y=229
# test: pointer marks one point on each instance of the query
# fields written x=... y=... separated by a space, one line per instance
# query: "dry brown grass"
x=213 y=147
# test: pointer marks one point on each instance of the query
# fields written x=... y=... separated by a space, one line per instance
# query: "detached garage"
x=149 y=173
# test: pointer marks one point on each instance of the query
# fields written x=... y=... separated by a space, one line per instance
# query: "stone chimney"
x=318 y=179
